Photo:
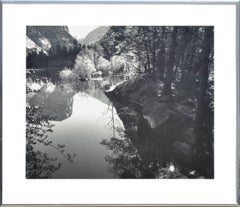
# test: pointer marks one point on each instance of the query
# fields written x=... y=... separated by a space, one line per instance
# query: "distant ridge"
x=95 y=35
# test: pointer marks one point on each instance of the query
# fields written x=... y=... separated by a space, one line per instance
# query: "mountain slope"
x=32 y=47
x=95 y=35
x=47 y=37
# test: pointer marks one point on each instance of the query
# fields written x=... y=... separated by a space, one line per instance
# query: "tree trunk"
x=154 y=48
x=203 y=135
x=161 y=59
x=148 y=58
x=203 y=79
x=169 y=73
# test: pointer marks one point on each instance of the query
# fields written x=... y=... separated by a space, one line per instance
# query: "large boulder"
x=163 y=128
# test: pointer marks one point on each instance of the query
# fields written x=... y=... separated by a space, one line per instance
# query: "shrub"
x=84 y=66
x=103 y=65
x=117 y=64
x=66 y=75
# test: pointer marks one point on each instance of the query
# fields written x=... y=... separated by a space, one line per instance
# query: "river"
x=75 y=131
x=82 y=117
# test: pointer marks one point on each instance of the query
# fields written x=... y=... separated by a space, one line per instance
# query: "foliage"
x=103 y=65
x=126 y=162
x=66 y=75
x=84 y=66
x=117 y=64
x=58 y=56
x=112 y=41
x=182 y=59
x=39 y=164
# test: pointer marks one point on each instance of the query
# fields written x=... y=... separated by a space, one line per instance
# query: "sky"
x=80 y=31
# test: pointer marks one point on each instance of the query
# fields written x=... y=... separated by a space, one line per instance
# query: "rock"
x=164 y=124
x=183 y=149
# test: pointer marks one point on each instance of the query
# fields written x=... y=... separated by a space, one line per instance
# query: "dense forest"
x=166 y=101
x=58 y=56
x=180 y=60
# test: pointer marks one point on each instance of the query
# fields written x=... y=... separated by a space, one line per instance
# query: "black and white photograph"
x=119 y=102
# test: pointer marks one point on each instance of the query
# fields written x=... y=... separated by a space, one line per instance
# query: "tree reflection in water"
x=126 y=162
x=39 y=164
x=134 y=154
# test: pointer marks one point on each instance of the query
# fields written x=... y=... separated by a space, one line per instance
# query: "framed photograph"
x=120 y=103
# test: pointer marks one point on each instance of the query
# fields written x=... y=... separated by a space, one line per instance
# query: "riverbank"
x=161 y=127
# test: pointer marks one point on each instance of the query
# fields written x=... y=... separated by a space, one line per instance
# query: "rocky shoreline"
x=160 y=127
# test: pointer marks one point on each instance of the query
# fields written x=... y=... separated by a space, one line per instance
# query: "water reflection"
x=38 y=163
x=75 y=131
x=55 y=100
x=143 y=152
x=46 y=101
x=81 y=116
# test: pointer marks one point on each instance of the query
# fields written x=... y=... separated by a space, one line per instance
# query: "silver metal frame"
x=238 y=100
x=196 y=2
x=1 y=103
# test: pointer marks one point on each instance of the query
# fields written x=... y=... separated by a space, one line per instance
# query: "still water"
x=82 y=116
x=75 y=131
